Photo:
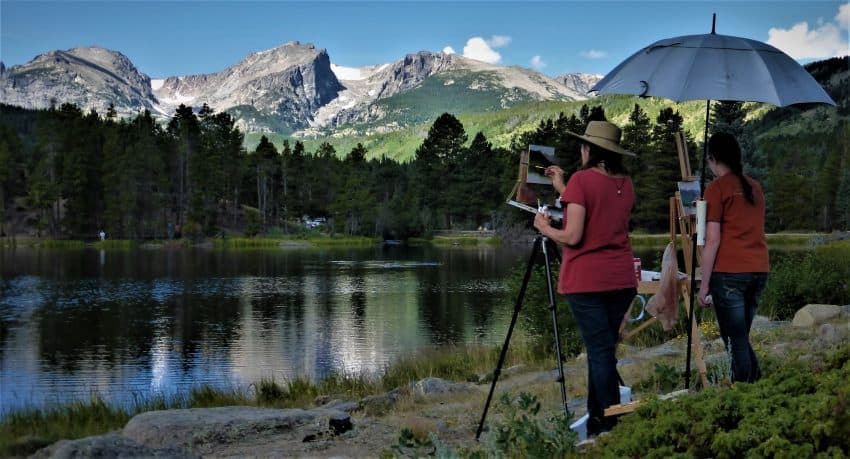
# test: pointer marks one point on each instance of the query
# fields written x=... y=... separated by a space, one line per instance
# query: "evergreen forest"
x=68 y=174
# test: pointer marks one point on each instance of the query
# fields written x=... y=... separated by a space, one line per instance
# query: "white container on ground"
x=580 y=425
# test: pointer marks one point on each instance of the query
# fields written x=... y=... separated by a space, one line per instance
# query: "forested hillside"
x=65 y=173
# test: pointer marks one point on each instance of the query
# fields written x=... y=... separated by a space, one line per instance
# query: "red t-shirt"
x=602 y=260
x=743 y=245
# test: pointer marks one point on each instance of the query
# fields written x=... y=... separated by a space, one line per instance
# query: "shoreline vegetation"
x=461 y=238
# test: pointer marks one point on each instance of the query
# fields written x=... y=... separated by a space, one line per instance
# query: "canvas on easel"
x=533 y=189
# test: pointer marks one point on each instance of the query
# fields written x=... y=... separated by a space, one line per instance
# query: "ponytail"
x=725 y=149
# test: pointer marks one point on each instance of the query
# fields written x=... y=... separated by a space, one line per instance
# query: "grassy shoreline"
x=25 y=430
x=639 y=240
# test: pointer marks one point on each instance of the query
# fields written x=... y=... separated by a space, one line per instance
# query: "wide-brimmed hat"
x=604 y=135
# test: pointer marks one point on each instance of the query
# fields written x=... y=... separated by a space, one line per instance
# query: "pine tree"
x=185 y=131
x=11 y=178
x=729 y=117
x=637 y=138
x=265 y=165
x=436 y=161
x=842 y=198
x=661 y=173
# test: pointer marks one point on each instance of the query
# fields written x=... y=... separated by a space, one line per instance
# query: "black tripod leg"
x=538 y=241
x=553 y=308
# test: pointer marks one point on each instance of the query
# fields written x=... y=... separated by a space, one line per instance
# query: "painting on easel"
x=533 y=189
x=690 y=193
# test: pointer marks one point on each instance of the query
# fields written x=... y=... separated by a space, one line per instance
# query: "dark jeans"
x=735 y=297
x=599 y=316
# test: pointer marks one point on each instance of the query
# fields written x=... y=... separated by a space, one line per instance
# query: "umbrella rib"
x=766 y=70
x=734 y=49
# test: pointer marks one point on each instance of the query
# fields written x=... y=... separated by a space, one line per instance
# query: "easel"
x=685 y=226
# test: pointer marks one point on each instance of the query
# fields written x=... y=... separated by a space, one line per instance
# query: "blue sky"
x=191 y=37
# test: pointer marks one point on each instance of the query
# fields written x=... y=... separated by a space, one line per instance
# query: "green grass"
x=649 y=240
x=58 y=244
x=465 y=241
x=777 y=240
x=275 y=242
x=119 y=244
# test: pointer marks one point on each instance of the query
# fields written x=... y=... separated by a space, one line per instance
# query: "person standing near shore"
x=597 y=270
x=735 y=259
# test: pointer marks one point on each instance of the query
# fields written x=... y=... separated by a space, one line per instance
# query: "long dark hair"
x=613 y=161
x=725 y=149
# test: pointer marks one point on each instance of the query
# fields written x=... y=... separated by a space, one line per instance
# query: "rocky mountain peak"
x=91 y=77
x=579 y=82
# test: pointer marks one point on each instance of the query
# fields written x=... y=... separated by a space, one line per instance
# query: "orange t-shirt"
x=743 y=245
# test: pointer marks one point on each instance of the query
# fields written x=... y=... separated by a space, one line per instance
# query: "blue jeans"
x=599 y=315
x=735 y=297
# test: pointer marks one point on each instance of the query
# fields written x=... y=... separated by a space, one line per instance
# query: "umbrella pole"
x=694 y=252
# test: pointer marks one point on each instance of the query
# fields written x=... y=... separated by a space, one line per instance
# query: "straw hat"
x=604 y=135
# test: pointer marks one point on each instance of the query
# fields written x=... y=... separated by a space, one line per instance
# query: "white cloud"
x=594 y=54
x=537 y=62
x=843 y=16
x=497 y=41
x=448 y=50
x=801 y=43
x=477 y=48
x=823 y=40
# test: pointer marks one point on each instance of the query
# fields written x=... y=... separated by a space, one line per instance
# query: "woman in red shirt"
x=735 y=259
x=597 y=270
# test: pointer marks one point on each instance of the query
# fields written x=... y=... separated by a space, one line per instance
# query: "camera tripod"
x=541 y=244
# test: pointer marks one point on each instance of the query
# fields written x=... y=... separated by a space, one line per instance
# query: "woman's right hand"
x=554 y=172
x=557 y=176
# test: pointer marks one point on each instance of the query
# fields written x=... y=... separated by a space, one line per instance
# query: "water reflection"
x=130 y=324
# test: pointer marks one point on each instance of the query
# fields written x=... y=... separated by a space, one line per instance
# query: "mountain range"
x=293 y=89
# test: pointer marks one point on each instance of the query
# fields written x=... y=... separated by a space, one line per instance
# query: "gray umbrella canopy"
x=714 y=67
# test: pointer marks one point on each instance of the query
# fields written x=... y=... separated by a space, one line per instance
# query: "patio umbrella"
x=713 y=67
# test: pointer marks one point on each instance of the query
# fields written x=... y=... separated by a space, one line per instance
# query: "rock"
x=380 y=402
x=764 y=323
x=203 y=429
x=340 y=423
x=814 y=314
x=109 y=445
x=341 y=405
x=828 y=333
x=431 y=386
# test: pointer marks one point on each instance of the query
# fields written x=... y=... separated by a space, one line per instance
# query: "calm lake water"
x=135 y=324
x=139 y=323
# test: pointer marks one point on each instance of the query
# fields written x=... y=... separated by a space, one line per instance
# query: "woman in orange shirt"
x=735 y=259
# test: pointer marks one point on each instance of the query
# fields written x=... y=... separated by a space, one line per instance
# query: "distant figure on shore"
x=102 y=235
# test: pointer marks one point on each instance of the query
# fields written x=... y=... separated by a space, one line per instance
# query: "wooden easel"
x=684 y=226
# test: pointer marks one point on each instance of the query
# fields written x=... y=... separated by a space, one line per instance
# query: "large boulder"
x=109 y=445
x=203 y=430
x=815 y=314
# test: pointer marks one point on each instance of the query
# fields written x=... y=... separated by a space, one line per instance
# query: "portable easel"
x=684 y=226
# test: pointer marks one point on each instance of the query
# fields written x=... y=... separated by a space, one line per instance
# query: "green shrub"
x=521 y=433
x=801 y=410
x=819 y=276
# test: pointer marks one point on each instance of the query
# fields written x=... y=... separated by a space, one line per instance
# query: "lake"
x=145 y=322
